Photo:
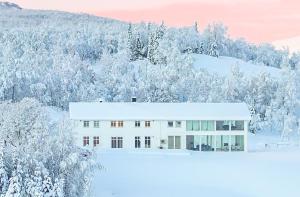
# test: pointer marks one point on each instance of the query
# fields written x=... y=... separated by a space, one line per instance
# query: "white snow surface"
x=223 y=66
x=158 y=111
x=177 y=173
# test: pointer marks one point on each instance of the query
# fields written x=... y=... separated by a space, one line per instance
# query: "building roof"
x=158 y=111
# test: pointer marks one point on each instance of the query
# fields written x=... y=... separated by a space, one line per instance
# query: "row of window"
x=117 y=142
x=211 y=125
x=116 y=124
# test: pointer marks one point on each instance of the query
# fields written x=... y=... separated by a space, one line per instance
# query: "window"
x=116 y=123
x=137 y=123
x=96 y=140
x=174 y=142
x=237 y=125
x=117 y=142
x=137 y=143
x=207 y=125
x=86 y=124
x=113 y=123
x=207 y=143
x=237 y=143
x=223 y=125
x=147 y=123
x=96 y=124
x=192 y=125
x=86 y=140
x=120 y=123
x=222 y=143
x=147 y=142
x=178 y=124
x=170 y=123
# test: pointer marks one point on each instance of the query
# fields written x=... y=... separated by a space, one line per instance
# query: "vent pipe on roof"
x=133 y=99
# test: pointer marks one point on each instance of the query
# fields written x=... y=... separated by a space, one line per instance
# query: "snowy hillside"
x=222 y=66
x=9 y=6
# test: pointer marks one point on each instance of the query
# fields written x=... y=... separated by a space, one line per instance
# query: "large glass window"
x=174 y=142
x=222 y=143
x=237 y=125
x=207 y=143
x=192 y=125
x=223 y=125
x=207 y=125
x=237 y=143
x=189 y=125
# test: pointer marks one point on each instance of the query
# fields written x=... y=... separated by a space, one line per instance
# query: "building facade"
x=193 y=126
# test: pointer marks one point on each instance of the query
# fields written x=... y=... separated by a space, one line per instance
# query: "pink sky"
x=255 y=20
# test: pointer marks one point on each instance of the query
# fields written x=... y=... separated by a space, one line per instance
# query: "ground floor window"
x=137 y=142
x=174 y=142
x=222 y=143
x=96 y=140
x=147 y=142
x=207 y=143
x=86 y=140
x=237 y=143
x=117 y=142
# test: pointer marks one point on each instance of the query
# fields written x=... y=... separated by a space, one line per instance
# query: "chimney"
x=133 y=99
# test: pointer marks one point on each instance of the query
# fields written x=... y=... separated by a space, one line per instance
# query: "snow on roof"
x=158 y=111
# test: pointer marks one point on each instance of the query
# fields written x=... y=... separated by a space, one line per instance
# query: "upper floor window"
x=137 y=123
x=96 y=140
x=177 y=124
x=207 y=125
x=147 y=124
x=170 y=123
x=192 y=125
x=237 y=125
x=86 y=140
x=222 y=125
x=96 y=124
x=86 y=123
x=116 y=123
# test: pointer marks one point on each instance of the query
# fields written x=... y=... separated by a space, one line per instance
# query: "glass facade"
x=237 y=125
x=193 y=125
x=222 y=143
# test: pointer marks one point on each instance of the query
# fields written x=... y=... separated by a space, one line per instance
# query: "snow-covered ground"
x=222 y=65
x=260 y=172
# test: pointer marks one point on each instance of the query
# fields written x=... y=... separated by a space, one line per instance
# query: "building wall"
x=158 y=131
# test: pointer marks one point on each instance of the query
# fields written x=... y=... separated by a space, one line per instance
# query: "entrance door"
x=174 y=142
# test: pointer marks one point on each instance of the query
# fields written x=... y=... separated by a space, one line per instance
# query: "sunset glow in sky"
x=255 y=20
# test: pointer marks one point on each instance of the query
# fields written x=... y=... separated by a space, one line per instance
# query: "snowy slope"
x=292 y=43
x=222 y=66
x=9 y=6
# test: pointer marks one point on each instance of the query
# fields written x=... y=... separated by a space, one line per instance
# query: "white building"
x=194 y=126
